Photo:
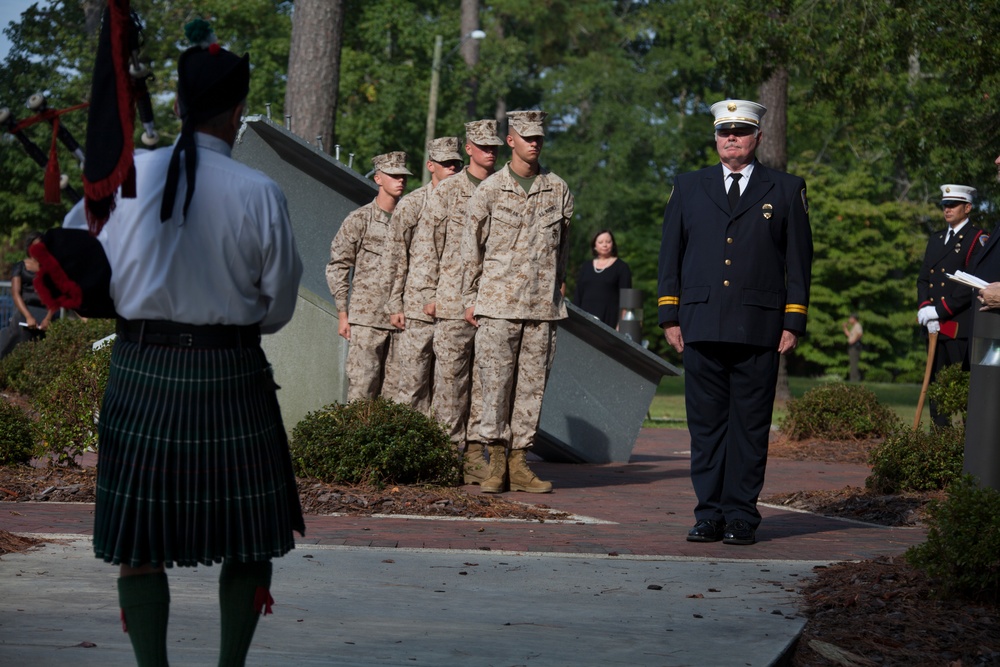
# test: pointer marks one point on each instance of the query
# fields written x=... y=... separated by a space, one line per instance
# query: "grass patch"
x=668 y=410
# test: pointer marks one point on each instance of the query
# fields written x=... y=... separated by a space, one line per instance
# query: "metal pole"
x=432 y=100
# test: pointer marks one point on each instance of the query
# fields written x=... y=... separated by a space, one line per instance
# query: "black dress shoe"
x=739 y=532
x=706 y=530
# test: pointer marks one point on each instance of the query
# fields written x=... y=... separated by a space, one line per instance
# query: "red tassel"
x=70 y=294
x=52 y=174
x=262 y=601
x=124 y=625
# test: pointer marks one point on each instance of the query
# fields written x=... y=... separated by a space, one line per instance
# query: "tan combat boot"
x=475 y=467
x=521 y=477
x=496 y=482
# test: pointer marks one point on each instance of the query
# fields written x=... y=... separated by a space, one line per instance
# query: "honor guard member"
x=734 y=277
x=457 y=392
x=945 y=305
x=411 y=371
x=986 y=265
x=515 y=246
x=194 y=467
x=362 y=244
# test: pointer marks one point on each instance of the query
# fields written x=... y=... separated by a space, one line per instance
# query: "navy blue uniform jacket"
x=738 y=277
x=986 y=263
x=951 y=300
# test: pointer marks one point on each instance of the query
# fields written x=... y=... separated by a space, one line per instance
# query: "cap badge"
x=731 y=106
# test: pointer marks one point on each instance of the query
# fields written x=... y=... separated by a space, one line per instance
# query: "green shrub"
x=950 y=392
x=16 y=442
x=910 y=377
x=34 y=365
x=838 y=411
x=962 y=551
x=910 y=460
x=878 y=375
x=373 y=442
x=68 y=407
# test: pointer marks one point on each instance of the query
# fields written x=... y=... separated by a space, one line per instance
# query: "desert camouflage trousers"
x=458 y=392
x=514 y=359
x=368 y=354
x=410 y=374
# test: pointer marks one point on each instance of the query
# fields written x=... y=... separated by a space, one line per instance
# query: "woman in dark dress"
x=601 y=278
x=32 y=317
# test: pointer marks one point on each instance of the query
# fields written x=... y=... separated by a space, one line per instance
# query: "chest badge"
x=767 y=209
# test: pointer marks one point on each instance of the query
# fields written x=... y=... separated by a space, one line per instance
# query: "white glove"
x=933 y=326
x=926 y=314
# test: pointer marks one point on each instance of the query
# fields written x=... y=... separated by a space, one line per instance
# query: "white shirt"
x=745 y=176
x=954 y=231
x=233 y=259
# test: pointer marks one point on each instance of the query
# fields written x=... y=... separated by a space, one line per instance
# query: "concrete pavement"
x=615 y=585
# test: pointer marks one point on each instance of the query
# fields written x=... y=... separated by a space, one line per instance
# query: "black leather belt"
x=178 y=334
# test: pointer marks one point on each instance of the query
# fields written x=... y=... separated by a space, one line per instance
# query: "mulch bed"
x=875 y=613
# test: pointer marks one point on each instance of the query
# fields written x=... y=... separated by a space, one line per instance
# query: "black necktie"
x=734 y=191
x=947 y=239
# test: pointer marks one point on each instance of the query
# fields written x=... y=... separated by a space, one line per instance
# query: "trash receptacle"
x=982 y=423
x=630 y=324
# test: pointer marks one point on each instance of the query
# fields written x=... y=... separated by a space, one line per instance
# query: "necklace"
x=602 y=268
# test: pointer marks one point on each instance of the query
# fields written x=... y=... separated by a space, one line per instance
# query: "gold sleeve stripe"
x=795 y=308
x=668 y=301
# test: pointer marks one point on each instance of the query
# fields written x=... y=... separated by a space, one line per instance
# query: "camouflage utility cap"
x=444 y=149
x=482 y=133
x=527 y=123
x=392 y=163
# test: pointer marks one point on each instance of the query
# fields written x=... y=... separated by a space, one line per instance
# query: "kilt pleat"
x=193 y=461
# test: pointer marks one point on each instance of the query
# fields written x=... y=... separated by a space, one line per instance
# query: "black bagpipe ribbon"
x=111 y=120
x=74 y=271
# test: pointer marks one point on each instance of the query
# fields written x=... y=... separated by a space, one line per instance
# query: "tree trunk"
x=470 y=54
x=314 y=69
x=773 y=152
x=93 y=10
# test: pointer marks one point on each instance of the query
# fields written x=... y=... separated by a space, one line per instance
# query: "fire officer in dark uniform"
x=945 y=304
x=734 y=275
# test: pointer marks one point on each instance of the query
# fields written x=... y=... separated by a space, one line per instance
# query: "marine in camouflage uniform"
x=515 y=247
x=362 y=244
x=409 y=374
x=457 y=397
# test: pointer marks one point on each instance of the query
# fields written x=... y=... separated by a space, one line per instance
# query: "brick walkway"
x=641 y=508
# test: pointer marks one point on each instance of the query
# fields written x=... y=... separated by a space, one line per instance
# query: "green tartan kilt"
x=193 y=462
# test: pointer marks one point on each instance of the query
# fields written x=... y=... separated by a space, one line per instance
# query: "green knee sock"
x=243 y=597
x=145 y=603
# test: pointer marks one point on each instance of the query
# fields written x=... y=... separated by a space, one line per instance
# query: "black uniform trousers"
x=729 y=392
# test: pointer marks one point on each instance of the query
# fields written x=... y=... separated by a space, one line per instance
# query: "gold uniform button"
x=932 y=270
x=729 y=240
x=942 y=284
x=728 y=262
x=725 y=283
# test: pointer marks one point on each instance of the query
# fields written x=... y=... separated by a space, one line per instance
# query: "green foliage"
x=373 y=442
x=950 y=392
x=866 y=259
x=16 y=441
x=34 y=365
x=962 y=551
x=69 y=406
x=909 y=460
x=838 y=411
x=875 y=92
